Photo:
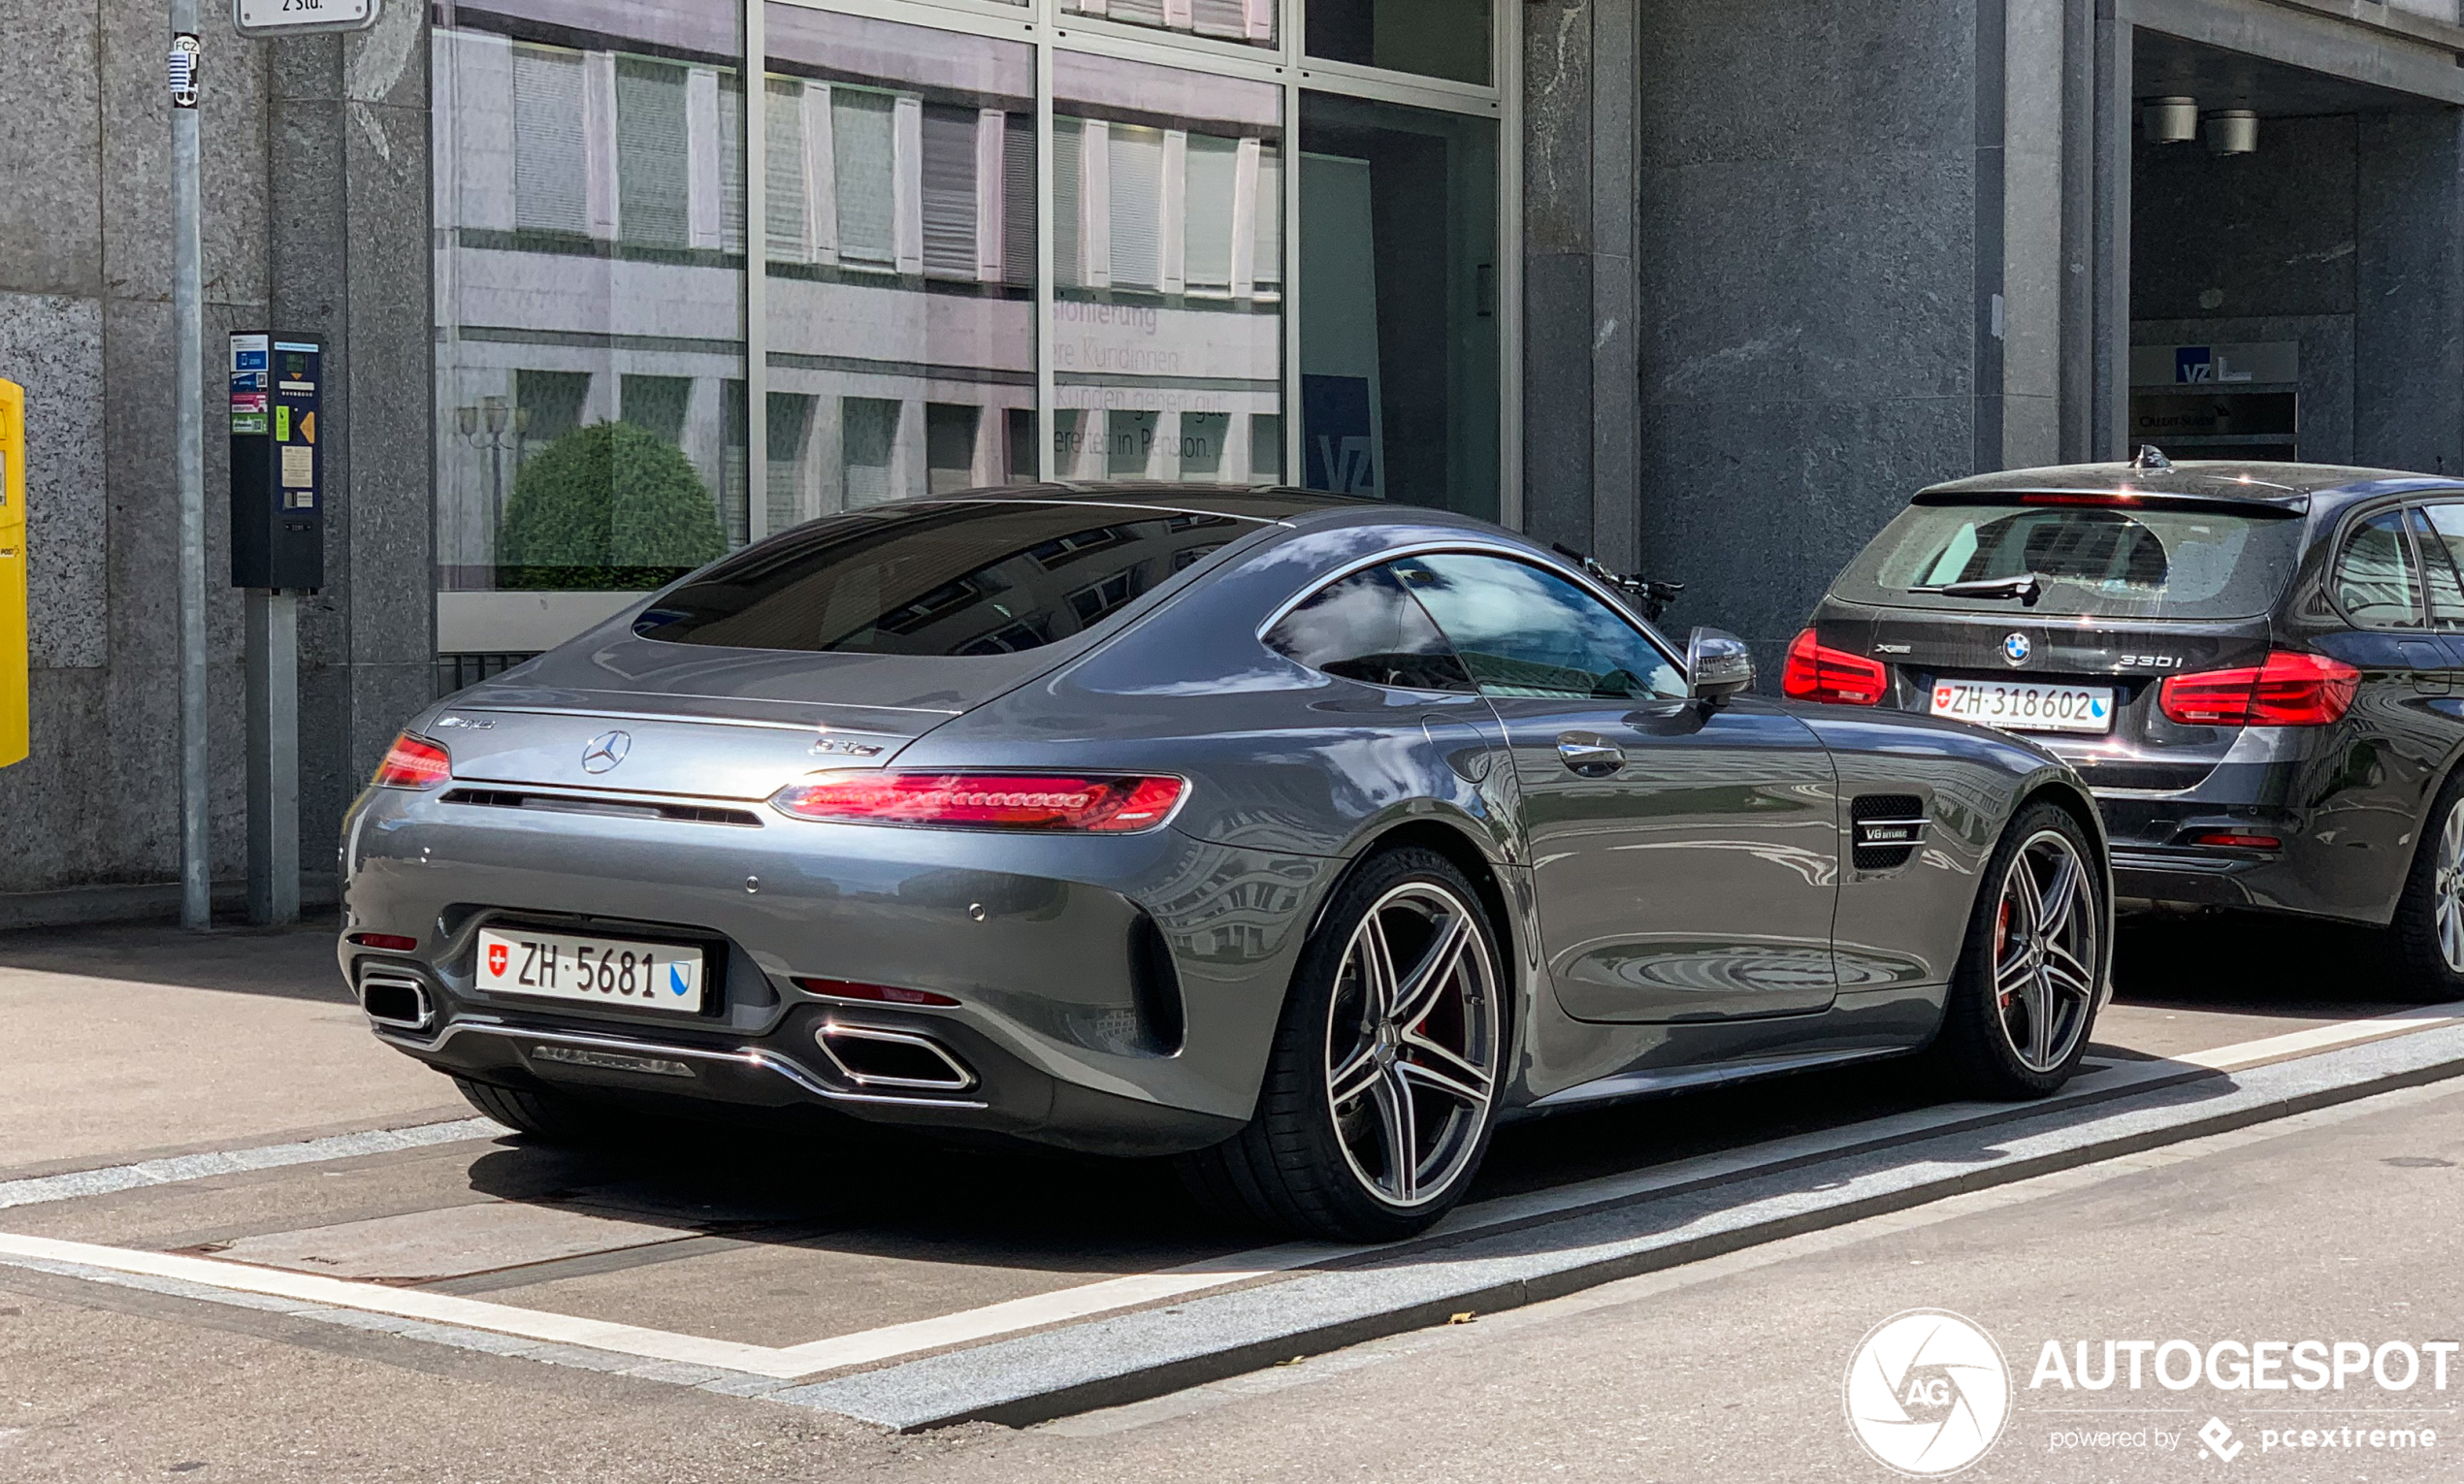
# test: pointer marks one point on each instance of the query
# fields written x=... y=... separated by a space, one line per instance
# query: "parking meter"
x=277 y=472
x=12 y=637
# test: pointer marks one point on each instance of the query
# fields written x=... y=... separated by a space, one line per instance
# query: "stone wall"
x=86 y=323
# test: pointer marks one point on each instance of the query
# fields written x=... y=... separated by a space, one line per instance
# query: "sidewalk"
x=135 y=1043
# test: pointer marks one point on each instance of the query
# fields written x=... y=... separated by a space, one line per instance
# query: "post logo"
x=1927 y=1393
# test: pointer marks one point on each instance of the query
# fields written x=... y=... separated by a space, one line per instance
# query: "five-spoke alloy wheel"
x=2045 y=952
x=1412 y=1043
x=2025 y=997
x=2428 y=931
x=1382 y=1084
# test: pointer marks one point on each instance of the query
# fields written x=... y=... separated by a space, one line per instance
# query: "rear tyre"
x=1380 y=1091
x=2427 y=934
x=2025 y=997
x=551 y=1116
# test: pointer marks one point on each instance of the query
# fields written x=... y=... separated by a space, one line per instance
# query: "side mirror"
x=1719 y=664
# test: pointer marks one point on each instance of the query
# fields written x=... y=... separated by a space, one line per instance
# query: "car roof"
x=1269 y=503
x=2259 y=482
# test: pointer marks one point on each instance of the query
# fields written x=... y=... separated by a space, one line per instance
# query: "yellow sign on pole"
x=12 y=638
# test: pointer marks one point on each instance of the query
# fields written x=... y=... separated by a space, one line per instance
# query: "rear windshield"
x=947 y=578
x=2135 y=562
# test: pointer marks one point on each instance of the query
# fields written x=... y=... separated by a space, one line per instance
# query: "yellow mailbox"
x=13 y=697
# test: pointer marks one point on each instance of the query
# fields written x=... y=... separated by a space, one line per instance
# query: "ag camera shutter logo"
x=1927 y=1393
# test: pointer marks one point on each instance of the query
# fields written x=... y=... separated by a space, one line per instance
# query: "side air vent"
x=1156 y=986
x=1888 y=829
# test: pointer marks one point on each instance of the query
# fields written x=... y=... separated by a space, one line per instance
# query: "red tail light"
x=1818 y=674
x=886 y=994
x=412 y=762
x=2289 y=690
x=2240 y=840
x=391 y=943
x=1103 y=804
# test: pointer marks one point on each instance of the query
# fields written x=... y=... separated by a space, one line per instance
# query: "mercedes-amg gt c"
x=1303 y=838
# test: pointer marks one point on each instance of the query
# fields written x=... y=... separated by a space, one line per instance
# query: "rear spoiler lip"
x=2263 y=506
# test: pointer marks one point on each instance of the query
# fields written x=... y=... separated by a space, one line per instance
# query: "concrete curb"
x=1135 y=1356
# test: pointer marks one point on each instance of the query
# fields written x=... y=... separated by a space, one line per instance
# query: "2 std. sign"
x=295 y=17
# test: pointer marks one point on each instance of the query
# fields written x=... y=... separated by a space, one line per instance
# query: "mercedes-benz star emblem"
x=606 y=750
x=2015 y=648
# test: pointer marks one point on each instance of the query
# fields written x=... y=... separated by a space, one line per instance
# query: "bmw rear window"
x=2142 y=562
x=950 y=577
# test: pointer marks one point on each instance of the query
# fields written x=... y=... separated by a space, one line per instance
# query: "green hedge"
x=607 y=506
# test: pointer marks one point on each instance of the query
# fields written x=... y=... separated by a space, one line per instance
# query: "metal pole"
x=187 y=306
x=274 y=756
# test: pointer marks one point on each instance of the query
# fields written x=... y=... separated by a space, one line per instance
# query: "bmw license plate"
x=2025 y=705
x=604 y=971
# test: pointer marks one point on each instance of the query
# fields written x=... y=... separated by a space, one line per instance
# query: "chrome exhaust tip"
x=891 y=1059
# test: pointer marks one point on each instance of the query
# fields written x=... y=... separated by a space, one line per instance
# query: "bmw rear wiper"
x=2026 y=587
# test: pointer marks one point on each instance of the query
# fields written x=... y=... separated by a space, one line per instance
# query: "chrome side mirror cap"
x=1719 y=664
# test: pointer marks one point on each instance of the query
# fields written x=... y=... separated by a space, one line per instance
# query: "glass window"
x=2439 y=531
x=2146 y=561
x=588 y=198
x=2374 y=575
x=1366 y=628
x=1167 y=318
x=938 y=578
x=1236 y=21
x=1525 y=631
x=1434 y=38
x=900 y=261
x=1399 y=337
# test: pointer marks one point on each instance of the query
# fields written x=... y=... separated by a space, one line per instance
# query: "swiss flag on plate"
x=498 y=954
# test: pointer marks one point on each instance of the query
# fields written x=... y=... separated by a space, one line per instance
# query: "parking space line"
x=110 y=1180
x=1112 y=1296
x=406 y=1304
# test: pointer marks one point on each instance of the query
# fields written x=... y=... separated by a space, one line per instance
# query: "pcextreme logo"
x=1927 y=1393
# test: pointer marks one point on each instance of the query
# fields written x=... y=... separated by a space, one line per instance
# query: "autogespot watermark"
x=1929 y=1394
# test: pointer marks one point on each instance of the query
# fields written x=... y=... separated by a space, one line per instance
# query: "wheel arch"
x=1462 y=849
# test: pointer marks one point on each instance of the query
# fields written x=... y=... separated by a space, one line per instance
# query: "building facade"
x=610 y=287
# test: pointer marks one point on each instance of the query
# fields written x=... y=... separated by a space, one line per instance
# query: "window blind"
x=865 y=151
x=949 y=191
x=550 y=170
x=783 y=169
x=1207 y=239
x=1268 y=272
x=653 y=177
x=1069 y=267
x=1137 y=206
x=868 y=433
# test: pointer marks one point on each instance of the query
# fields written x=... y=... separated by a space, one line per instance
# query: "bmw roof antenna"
x=1652 y=597
x=2150 y=459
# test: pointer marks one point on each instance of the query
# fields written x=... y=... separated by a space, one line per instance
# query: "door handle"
x=1589 y=755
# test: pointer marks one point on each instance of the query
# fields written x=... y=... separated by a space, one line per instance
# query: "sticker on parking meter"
x=249 y=403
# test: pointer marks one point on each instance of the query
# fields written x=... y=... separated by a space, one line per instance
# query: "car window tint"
x=2138 y=562
x=1525 y=631
x=2373 y=576
x=1366 y=628
x=958 y=577
x=2439 y=531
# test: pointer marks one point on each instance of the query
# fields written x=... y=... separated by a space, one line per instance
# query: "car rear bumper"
x=1116 y=994
x=2344 y=856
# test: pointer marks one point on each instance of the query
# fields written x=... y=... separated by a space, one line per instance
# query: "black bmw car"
x=2257 y=668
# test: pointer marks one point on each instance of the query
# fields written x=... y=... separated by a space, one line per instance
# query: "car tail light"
x=2237 y=839
x=391 y=943
x=884 y=995
x=1085 y=802
x=413 y=763
x=2288 y=690
x=1816 y=673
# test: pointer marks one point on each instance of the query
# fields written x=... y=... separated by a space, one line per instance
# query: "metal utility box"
x=13 y=560
x=278 y=463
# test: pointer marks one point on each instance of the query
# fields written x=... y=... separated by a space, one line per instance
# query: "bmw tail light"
x=413 y=763
x=1816 y=673
x=2288 y=690
x=1107 y=804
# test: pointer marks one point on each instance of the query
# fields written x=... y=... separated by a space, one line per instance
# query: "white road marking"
x=1112 y=1295
x=113 y=1178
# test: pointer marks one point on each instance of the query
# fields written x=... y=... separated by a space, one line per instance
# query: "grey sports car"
x=1303 y=838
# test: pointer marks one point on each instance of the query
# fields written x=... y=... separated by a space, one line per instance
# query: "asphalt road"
x=2338 y=1226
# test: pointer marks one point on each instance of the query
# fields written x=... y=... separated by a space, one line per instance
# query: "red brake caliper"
x=2001 y=941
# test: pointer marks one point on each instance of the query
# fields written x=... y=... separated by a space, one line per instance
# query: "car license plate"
x=2024 y=705
x=604 y=971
